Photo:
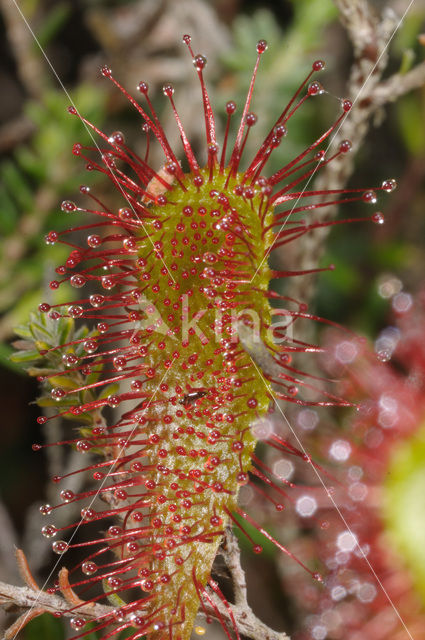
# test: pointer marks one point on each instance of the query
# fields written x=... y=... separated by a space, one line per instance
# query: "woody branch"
x=370 y=36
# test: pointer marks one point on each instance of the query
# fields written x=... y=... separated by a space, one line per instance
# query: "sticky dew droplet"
x=369 y=197
x=315 y=88
x=262 y=46
x=378 y=218
x=67 y=495
x=77 y=623
x=199 y=62
x=68 y=205
x=389 y=185
x=45 y=509
x=116 y=138
x=60 y=547
x=89 y=568
x=77 y=281
x=49 y=531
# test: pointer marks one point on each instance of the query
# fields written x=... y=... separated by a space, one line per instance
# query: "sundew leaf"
x=182 y=432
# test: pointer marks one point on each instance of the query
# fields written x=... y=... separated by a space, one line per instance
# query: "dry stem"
x=32 y=603
x=370 y=37
x=30 y=65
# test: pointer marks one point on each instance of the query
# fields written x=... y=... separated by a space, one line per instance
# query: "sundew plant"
x=176 y=270
x=174 y=354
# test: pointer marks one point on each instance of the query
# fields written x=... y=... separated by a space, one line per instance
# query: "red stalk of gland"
x=175 y=268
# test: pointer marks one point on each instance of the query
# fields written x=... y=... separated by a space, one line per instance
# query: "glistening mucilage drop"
x=178 y=268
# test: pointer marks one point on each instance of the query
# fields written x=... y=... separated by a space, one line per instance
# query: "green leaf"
x=6 y=361
x=25 y=356
x=65 y=382
x=66 y=328
x=411 y=122
x=269 y=549
x=44 y=626
x=16 y=184
x=63 y=403
x=40 y=371
x=407 y=61
x=404 y=505
x=53 y=22
x=109 y=390
x=23 y=331
x=8 y=212
x=29 y=162
x=39 y=331
x=113 y=598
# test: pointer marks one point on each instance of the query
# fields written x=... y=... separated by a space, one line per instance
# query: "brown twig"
x=15 y=132
x=359 y=22
x=25 y=571
x=370 y=36
x=232 y=557
x=36 y=602
x=67 y=591
x=28 y=599
x=8 y=569
x=30 y=65
x=21 y=622
x=246 y=620
x=399 y=84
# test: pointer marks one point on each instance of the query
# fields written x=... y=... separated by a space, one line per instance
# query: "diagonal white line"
x=333 y=136
x=112 y=467
x=64 y=89
x=334 y=504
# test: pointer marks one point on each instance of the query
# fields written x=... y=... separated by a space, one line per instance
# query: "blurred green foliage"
x=48 y=627
x=404 y=510
x=33 y=182
x=286 y=63
x=44 y=626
